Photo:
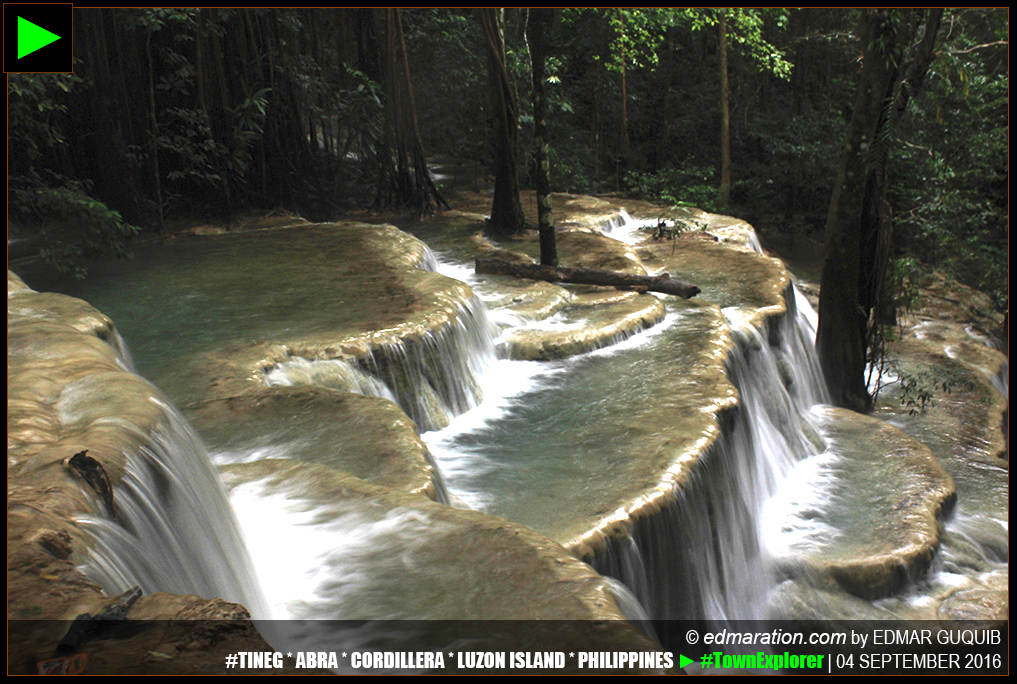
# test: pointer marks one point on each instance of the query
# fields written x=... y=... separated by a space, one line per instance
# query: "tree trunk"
x=587 y=276
x=858 y=224
x=624 y=146
x=506 y=209
x=725 y=119
x=154 y=122
x=538 y=23
x=405 y=180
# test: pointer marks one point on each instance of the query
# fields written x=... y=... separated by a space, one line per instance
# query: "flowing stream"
x=541 y=443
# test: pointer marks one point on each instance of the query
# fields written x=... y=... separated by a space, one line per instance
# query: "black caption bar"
x=548 y=647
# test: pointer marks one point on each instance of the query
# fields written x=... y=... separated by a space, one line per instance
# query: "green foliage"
x=248 y=123
x=269 y=107
x=73 y=227
x=796 y=156
x=152 y=19
x=745 y=29
x=917 y=390
x=448 y=94
x=358 y=116
x=903 y=283
x=637 y=36
x=917 y=394
x=950 y=177
x=36 y=104
x=679 y=226
x=572 y=159
x=691 y=186
x=902 y=290
x=184 y=135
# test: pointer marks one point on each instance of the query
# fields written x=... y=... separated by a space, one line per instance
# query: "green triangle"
x=683 y=661
x=32 y=37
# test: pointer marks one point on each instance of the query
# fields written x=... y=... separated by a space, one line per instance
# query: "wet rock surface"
x=575 y=333
x=69 y=392
x=367 y=437
x=883 y=507
x=495 y=569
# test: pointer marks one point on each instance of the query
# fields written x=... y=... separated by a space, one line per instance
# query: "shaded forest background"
x=209 y=113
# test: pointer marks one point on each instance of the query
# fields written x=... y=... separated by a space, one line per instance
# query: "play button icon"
x=32 y=37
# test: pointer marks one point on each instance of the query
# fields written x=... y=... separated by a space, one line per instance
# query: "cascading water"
x=623 y=228
x=772 y=431
x=704 y=555
x=155 y=532
x=680 y=562
x=161 y=539
x=437 y=377
x=433 y=377
x=333 y=373
x=548 y=443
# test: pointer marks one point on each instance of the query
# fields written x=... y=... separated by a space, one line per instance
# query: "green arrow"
x=32 y=37
x=683 y=661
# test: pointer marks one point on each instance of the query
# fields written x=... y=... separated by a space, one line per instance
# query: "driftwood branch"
x=587 y=276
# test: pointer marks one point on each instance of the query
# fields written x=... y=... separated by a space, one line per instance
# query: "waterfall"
x=175 y=530
x=433 y=377
x=623 y=228
x=338 y=374
x=437 y=376
x=168 y=526
x=703 y=556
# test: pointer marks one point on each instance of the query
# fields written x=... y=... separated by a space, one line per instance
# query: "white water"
x=710 y=554
x=323 y=561
x=175 y=530
x=624 y=228
x=433 y=378
x=771 y=435
x=332 y=373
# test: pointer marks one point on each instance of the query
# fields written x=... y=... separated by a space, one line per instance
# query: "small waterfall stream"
x=432 y=378
x=162 y=539
x=495 y=455
x=153 y=529
x=714 y=535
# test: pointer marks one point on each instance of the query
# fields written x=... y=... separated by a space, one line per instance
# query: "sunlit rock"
x=70 y=391
x=585 y=327
x=747 y=285
x=651 y=465
x=370 y=536
x=878 y=526
x=365 y=436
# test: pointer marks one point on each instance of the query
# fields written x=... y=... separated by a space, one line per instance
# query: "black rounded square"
x=24 y=26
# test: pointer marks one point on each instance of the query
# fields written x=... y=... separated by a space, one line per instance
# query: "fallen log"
x=587 y=276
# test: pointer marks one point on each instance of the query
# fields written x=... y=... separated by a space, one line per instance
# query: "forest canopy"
x=212 y=112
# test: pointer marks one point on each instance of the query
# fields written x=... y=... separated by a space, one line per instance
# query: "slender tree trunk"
x=624 y=146
x=199 y=63
x=725 y=119
x=506 y=209
x=538 y=24
x=405 y=180
x=154 y=121
x=667 y=111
